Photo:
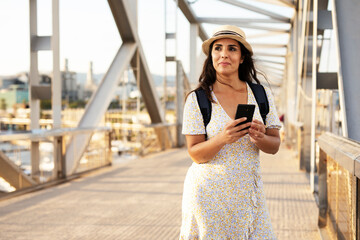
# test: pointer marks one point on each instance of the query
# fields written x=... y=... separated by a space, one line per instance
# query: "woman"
x=223 y=193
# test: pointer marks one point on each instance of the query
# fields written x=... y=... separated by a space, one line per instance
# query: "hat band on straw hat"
x=227 y=32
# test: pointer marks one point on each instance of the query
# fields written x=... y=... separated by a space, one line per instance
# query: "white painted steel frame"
x=300 y=53
x=256 y=9
x=194 y=33
x=191 y=17
x=124 y=12
x=313 y=95
x=39 y=43
x=345 y=16
x=98 y=105
x=286 y=3
x=34 y=80
x=239 y=20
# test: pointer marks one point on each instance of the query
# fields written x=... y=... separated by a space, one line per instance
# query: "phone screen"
x=245 y=110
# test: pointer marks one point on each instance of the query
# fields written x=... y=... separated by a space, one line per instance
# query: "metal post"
x=357 y=208
x=34 y=80
x=322 y=171
x=194 y=32
x=109 y=153
x=59 y=158
x=345 y=16
x=179 y=103
x=313 y=95
x=300 y=53
x=56 y=81
x=56 y=89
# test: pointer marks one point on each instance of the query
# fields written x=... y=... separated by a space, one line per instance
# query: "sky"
x=88 y=32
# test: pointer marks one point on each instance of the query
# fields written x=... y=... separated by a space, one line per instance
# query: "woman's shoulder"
x=191 y=96
x=268 y=91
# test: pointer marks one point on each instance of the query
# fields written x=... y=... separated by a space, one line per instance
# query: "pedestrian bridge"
x=71 y=186
x=141 y=199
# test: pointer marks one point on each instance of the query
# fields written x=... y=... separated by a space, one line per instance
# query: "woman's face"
x=226 y=56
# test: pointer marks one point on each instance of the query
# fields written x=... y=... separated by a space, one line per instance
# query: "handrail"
x=338 y=181
x=159 y=125
x=40 y=134
x=343 y=150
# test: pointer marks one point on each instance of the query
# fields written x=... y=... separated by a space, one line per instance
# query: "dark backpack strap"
x=261 y=99
x=204 y=105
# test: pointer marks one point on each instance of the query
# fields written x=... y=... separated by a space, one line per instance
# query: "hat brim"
x=206 y=44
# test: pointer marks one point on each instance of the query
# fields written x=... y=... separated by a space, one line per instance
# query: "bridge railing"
x=339 y=187
x=17 y=168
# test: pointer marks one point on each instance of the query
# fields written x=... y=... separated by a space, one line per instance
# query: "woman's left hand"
x=257 y=131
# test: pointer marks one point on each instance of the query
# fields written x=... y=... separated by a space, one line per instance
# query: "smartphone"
x=245 y=110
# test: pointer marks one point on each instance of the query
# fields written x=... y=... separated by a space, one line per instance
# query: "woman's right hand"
x=202 y=151
x=231 y=133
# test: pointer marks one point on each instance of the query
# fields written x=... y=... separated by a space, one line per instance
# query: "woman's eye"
x=232 y=49
x=217 y=48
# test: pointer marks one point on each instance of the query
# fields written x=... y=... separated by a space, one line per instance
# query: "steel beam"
x=267 y=45
x=147 y=89
x=270 y=54
x=39 y=43
x=327 y=80
x=123 y=17
x=191 y=17
x=285 y=3
x=13 y=174
x=256 y=9
x=56 y=88
x=41 y=92
x=123 y=20
x=324 y=20
x=194 y=32
x=179 y=102
x=271 y=66
x=33 y=81
x=313 y=95
x=124 y=14
x=345 y=17
x=262 y=35
x=98 y=105
x=56 y=77
x=239 y=20
x=252 y=26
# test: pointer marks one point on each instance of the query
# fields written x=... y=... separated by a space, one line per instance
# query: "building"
x=90 y=85
x=14 y=95
x=69 y=87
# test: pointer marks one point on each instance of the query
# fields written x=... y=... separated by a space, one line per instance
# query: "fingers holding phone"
x=234 y=130
x=257 y=130
x=242 y=124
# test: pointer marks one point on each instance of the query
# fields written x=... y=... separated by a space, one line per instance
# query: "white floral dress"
x=224 y=198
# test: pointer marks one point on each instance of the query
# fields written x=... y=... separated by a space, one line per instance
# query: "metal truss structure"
x=292 y=67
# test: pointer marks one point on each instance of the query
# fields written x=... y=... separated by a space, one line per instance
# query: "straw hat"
x=227 y=31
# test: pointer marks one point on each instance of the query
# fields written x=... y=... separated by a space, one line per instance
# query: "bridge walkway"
x=141 y=199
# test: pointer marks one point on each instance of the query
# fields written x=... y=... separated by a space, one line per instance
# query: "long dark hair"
x=247 y=71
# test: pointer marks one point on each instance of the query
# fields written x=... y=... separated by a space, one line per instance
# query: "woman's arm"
x=202 y=151
x=266 y=139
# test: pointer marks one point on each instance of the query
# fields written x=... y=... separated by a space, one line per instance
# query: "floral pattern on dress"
x=224 y=198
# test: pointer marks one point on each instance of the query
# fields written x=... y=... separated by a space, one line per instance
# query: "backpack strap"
x=204 y=105
x=258 y=91
x=261 y=99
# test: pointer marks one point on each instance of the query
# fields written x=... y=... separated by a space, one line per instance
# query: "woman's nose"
x=223 y=53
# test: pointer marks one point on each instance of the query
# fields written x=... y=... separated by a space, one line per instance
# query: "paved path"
x=141 y=199
x=292 y=207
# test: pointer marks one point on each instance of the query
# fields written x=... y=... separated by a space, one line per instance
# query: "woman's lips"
x=224 y=63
